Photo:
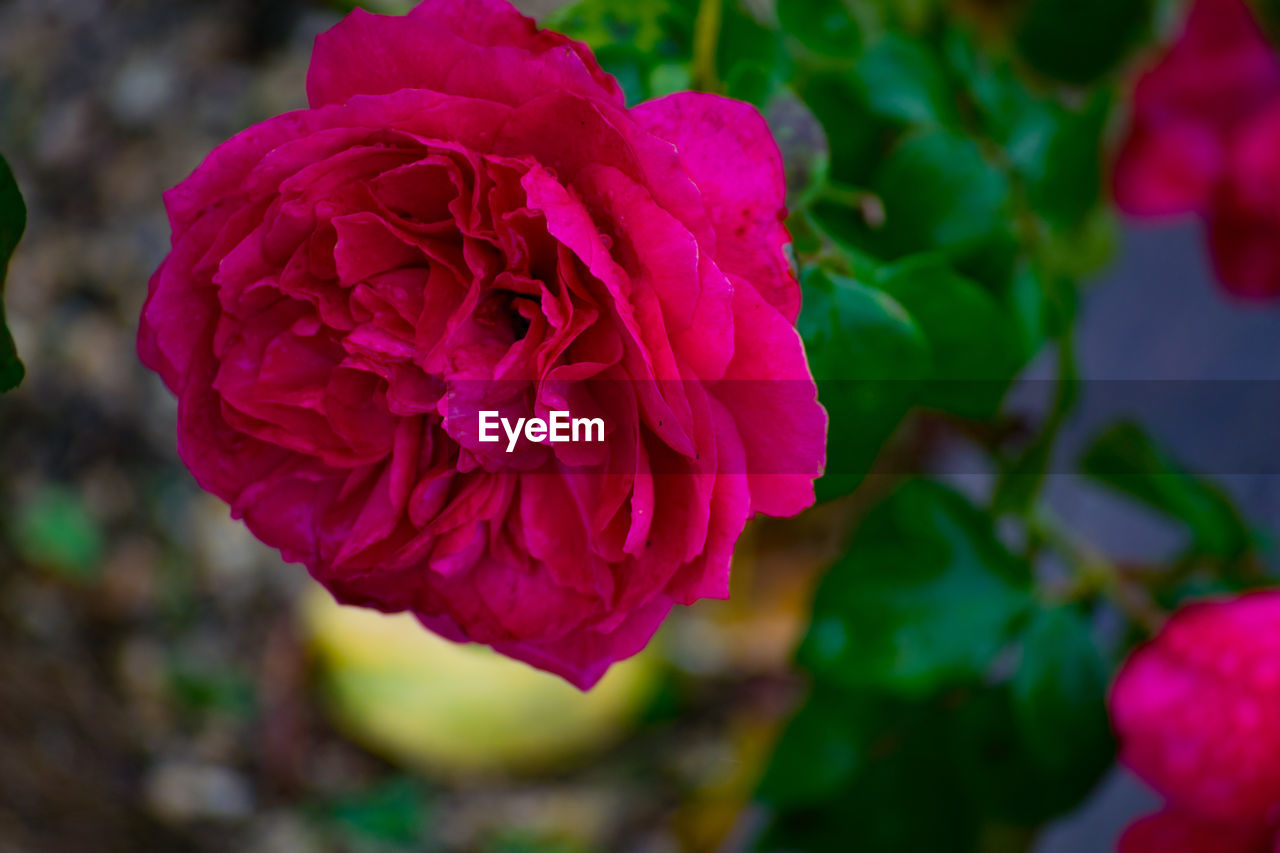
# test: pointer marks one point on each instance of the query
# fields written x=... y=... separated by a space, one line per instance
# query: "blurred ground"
x=157 y=689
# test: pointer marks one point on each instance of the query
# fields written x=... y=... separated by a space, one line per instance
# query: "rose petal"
x=729 y=151
x=583 y=657
x=1167 y=170
x=785 y=449
x=1196 y=709
x=368 y=54
x=1173 y=831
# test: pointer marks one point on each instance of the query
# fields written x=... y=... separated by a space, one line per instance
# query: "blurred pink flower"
x=1172 y=831
x=1244 y=214
x=1199 y=141
x=1188 y=108
x=469 y=218
x=1197 y=712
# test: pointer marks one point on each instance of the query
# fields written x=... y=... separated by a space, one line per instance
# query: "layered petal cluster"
x=468 y=218
x=1197 y=711
x=1204 y=122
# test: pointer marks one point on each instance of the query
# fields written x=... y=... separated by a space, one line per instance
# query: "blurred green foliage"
x=393 y=815
x=199 y=688
x=1078 y=41
x=55 y=531
x=947 y=174
x=924 y=598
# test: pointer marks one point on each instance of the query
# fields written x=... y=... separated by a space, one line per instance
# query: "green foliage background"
x=947 y=170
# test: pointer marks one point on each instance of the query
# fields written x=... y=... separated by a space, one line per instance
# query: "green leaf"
x=1083 y=250
x=841 y=107
x=1078 y=41
x=1126 y=459
x=973 y=339
x=744 y=41
x=667 y=78
x=631 y=68
x=13 y=221
x=817 y=754
x=391 y=813
x=825 y=27
x=856 y=332
x=925 y=597
x=868 y=356
x=1003 y=779
x=1021 y=478
x=751 y=82
x=1033 y=307
x=642 y=43
x=898 y=778
x=903 y=82
x=1034 y=750
x=1199 y=587
x=662 y=28
x=1064 y=174
x=202 y=688
x=1059 y=695
x=939 y=192
x=1054 y=146
x=1008 y=112
x=55 y=531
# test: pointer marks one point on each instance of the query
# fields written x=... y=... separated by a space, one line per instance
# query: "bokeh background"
x=166 y=683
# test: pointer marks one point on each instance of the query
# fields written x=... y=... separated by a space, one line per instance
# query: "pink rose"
x=1187 y=109
x=1172 y=831
x=1202 y=139
x=469 y=219
x=1197 y=711
x=1244 y=215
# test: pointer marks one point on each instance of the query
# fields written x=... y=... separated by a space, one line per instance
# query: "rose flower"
x=1197 y=711
x=1189 y=106
x=468 y=218
x=1201 y=139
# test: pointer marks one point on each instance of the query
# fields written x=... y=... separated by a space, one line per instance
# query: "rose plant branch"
x=706 y=40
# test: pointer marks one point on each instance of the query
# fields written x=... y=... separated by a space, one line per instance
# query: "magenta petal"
x=368 y=54
x=1164 y=170
x=730 y=507
x=1174 y=831
x=729 y=151
x=583 y=657
x=1195 y=708
x=497 y=22
x=1244 y=216
x=774 y=401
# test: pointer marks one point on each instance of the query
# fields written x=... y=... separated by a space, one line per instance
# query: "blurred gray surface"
x=1183 y=346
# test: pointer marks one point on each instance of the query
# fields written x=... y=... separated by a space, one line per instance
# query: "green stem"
x=706 y=41
x=1022 y=477
x=1006 y=838
x=868 y=204
x=1096 y=574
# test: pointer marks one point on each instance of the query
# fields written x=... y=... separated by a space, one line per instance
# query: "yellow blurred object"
x=418 y=699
